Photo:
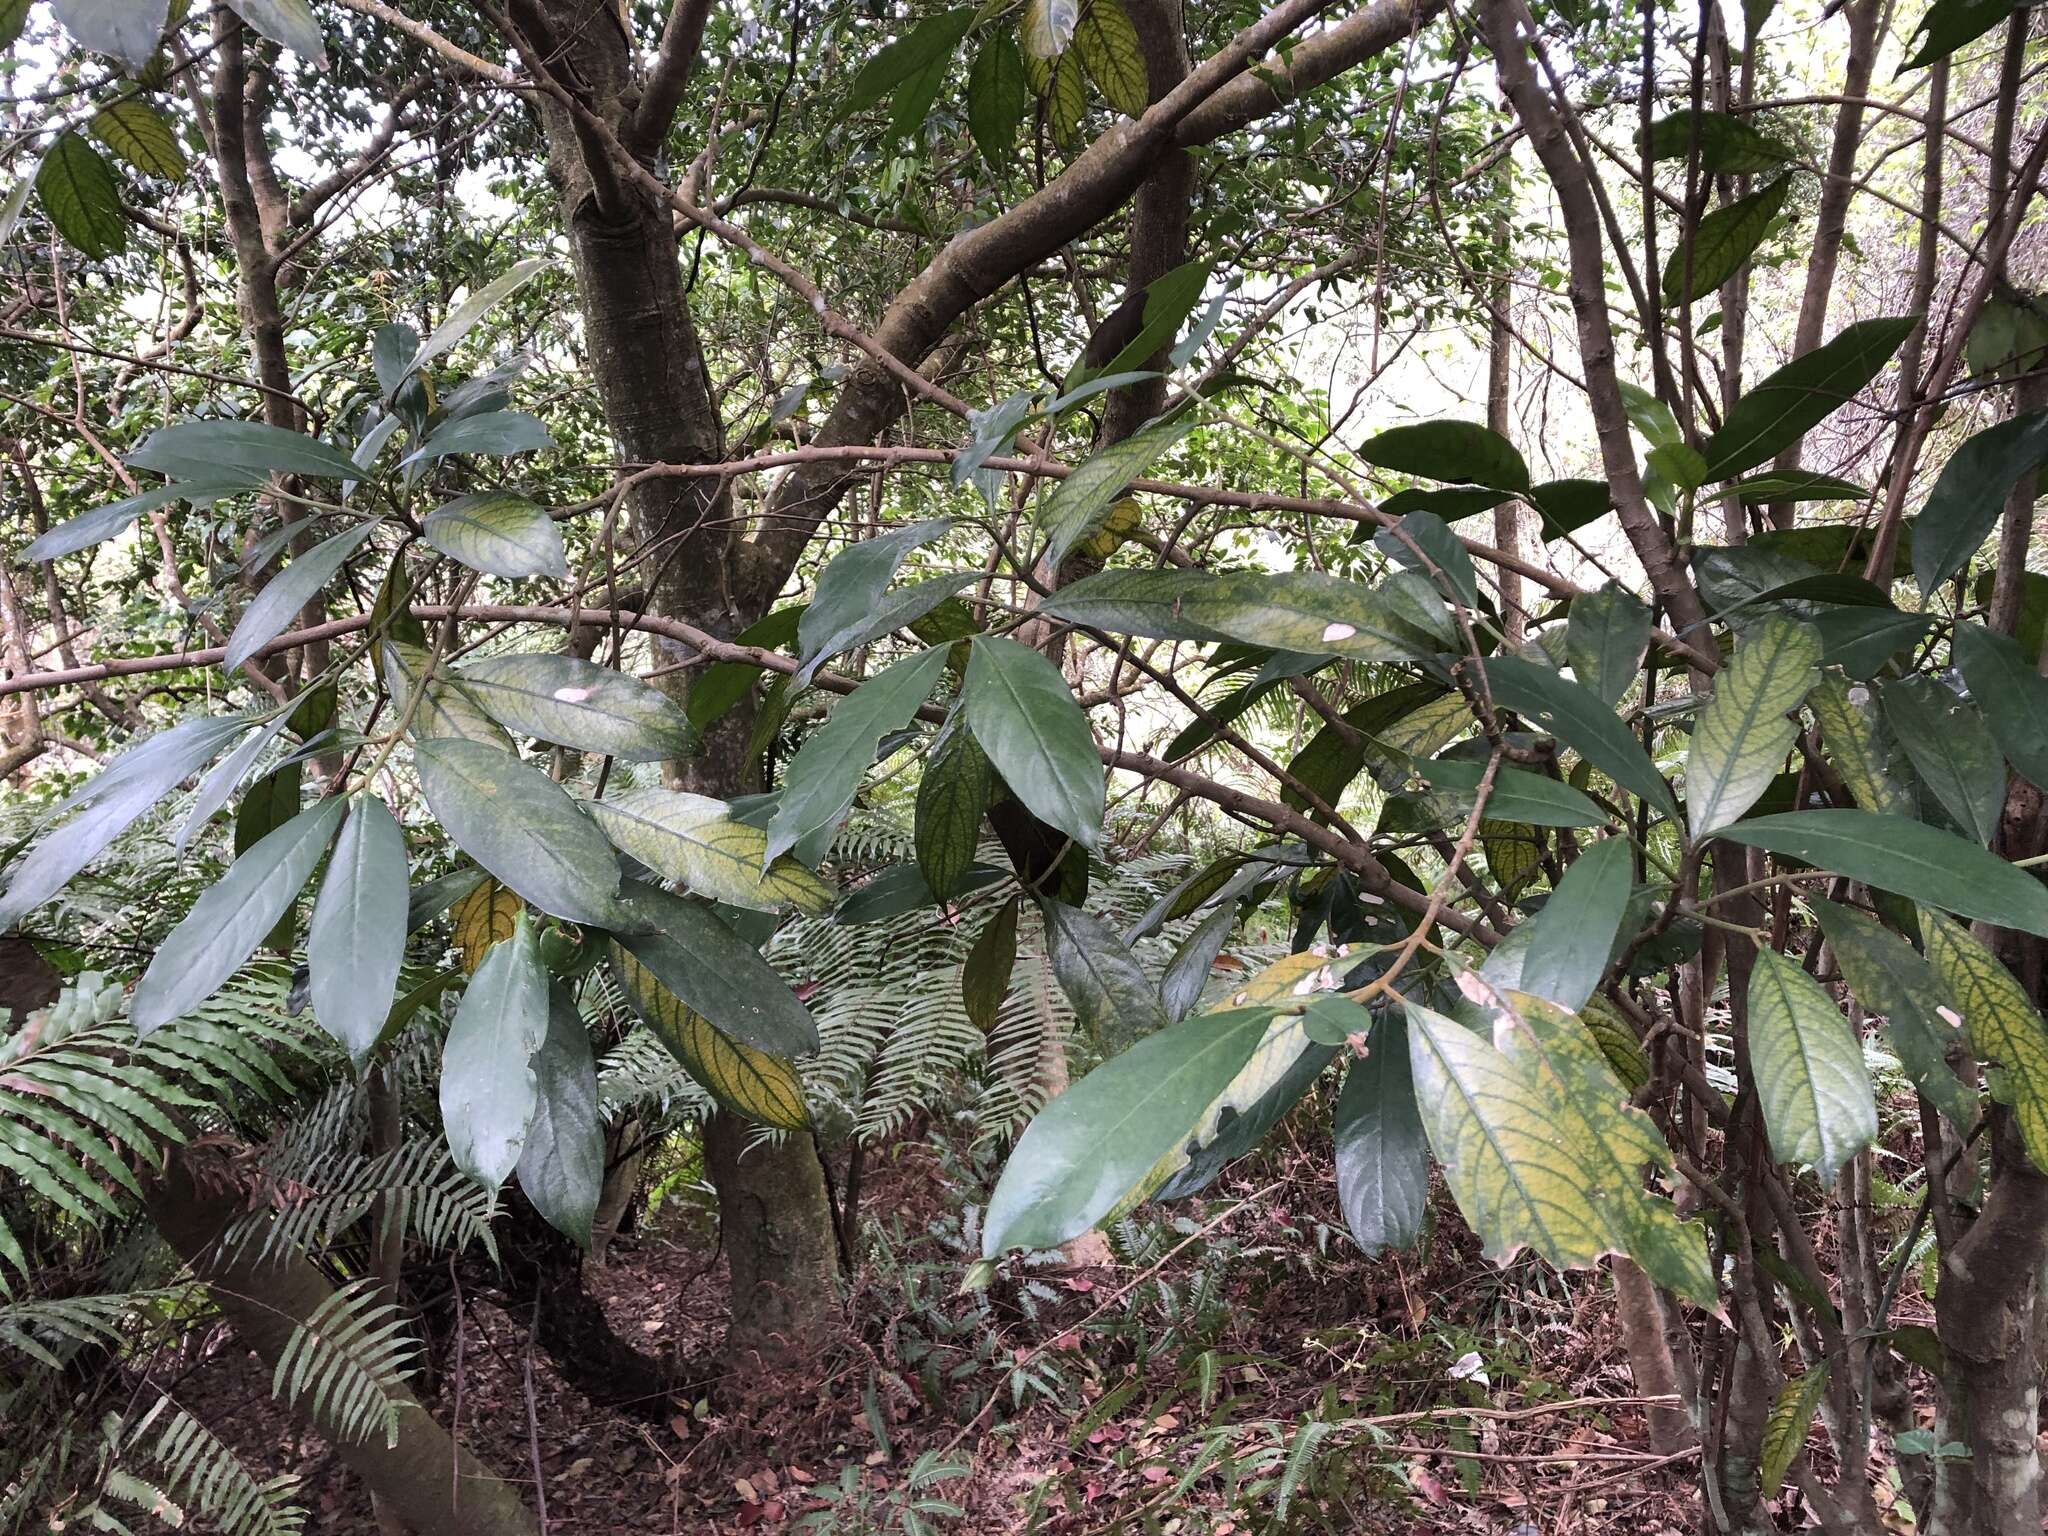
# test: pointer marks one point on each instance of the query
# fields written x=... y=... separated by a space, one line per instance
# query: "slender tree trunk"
x=778 y=1233
x=426 y=1480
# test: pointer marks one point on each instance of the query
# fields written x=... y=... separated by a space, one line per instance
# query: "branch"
x=682 y=39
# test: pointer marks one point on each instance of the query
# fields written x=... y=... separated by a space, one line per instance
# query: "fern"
x=430 y=1199
x=345 y=1365
x=40 y=1328
x=209 y=1476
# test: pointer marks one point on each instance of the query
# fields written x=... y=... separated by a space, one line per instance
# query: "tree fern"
x=345 y=1365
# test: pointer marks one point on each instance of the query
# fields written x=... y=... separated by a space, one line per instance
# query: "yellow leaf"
x=2004 y=1028
x=746 y=1081
x=1292 y=983
x=483 y=917
x=1108 y=46
x=1849 y=734
x=693 y=840
x=1513 y=854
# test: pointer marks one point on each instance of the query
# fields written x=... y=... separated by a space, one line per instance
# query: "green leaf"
x=1332 y=758
x=1951 y=749
x=951 y=798
x=1280 y=1071
x=827 y=770
x=213 y=452
x=128 y=30
x=140 y=135
x=716 y=973
x=1307 y=612
x=1518 y=795
x=1450 y=451
x=576 y=703
x=13 y=17
x=752 y=1083
x=1724 y=240
x=1857 y=745
x=1381 y=1154
x=1099 y=1146
x=1996 y=669
x=1433 y=537
x=693 y=840
x=285 y=596
x=1797 y=485
x=561 y=1166
x=522 y=827
x=288 y=23
x=1785 y=1429
x=1540 y=1149
x=1728 y=145
x=915 y=53
x=227 y=923
x=1861 y=640
x=1080 y=503
x=1740 y=738
x=1028 y=722
x=1169 y=299
x=2004 y=1028
x=1047 y=27
x=1894 y=983
x=499 y=434
x=850 y=589
x=448 y=709
x=356 y=942
x=890 y=893
x=1951 y=24
x=723 y=684
x=1187 y=973
x=1565 y=506
x=488 y=1090
x=79 y=193
x=463 y=318
x=1107 y=46
x=1808 y=1066
x=1970 y=494
x=103 y=523
x=1112 y=997
x=1776 y=413
x=1907 y=858
x=498 y=533
x=1605 y=640
x=1580 y=718
x=985 y=974
x=1563 y=950
x=997 y=98
x=1650 y=416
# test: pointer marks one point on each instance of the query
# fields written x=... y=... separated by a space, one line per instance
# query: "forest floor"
x=1168 y=1393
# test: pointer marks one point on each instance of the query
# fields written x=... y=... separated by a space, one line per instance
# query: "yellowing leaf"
x=2004 y=1028
x=1741 y=736
x=1808 y=1065
x=483 y=917
x=693 y=840
x=1854 y=743
x=1108 y=48
x=1513 y=854
x=138 y=133
x=448 y=708
x=1294 y=982
x=1785 y=1430
x=746 y=1081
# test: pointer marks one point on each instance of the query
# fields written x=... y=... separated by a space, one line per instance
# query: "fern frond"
x=346 y=1364
x=209 y=1477
x=40 y=1328
x=429 y=1198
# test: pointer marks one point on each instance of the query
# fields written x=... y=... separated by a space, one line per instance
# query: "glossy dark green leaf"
x=1970 y=494
x=950 y=800
x=1032 y=728
x=1431 y=535
x=522 y=827
x=1240 y=1129
x=1187 y=973
x=997 y=98
x=217 y=451
x=284 y=597
x=1564 y=948
x=498 y=533
x=985 y=974
x=356 y=941
x=1565 y=506
x=129 y=30
x=1861 y=640
x=1605 y=639
x=1951 y=24
x=1951 y=749
x=2001 y=677
x=1908 y=858
x=227 y=923
x=576 y=703
x=827 y=770
x=1112 y=997
x=561 y=1165
x=1583 y=721
x=1726 y=145
x=724 y=683
x=1517 y=795
x=1080 y=503
x=1797 y=485
x=1086 y=1153
x=901 y=888
x=1333 y=758
x=428 y=901
x=717 y=973
x=850 y=587
x=1892 y=981
x=1457 y=451
x=930 y=43
x=488 y=1089
x=82 y=197
x=1307 y=612
x=1169 y=300
x=1725 y=239
x=1381 y=1154
x=903 y=608
x=1776 y=413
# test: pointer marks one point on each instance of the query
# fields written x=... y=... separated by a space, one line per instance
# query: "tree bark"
x=426 y=1479
x=779 y=1245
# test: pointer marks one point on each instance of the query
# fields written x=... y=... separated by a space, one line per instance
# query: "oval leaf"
x=498 y=533
x=579 y=704
x=1028 y=722
x=1739 y=740
x=488 y=1090
x=692 y=840
x=356 y=942
x=1808 y=1064
x=561 y=1165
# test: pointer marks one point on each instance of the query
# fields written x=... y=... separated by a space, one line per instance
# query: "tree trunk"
x=779 y=1247
x=426 y=1480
